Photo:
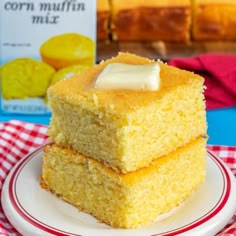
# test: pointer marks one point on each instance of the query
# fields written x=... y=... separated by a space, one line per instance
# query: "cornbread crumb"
x=127 y=130
x=129 y=200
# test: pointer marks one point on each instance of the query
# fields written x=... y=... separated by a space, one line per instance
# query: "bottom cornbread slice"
x=127 y=200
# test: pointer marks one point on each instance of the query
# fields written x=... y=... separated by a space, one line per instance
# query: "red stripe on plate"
x=47 y=228
x=215 y=210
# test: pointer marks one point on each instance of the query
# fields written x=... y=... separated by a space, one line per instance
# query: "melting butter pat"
x=129 y=77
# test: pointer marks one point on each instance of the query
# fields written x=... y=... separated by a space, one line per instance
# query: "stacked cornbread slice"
x=126 y=156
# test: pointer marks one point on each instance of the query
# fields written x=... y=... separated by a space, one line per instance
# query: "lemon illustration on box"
x=68 y=49
x=25 y=77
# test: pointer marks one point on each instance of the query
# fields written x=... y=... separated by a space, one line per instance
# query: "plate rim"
x=222 y=201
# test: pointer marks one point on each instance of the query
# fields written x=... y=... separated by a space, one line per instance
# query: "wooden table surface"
x=163 y=50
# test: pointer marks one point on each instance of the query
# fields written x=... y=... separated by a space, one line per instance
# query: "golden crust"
x=80 y=87
x=128 y=178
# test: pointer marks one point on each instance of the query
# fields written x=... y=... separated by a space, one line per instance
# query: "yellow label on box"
x=42 y=42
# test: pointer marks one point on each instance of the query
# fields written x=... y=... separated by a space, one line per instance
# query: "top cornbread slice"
x=125 y=129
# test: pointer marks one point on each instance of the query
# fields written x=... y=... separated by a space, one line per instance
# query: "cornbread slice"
x=214 y=19
x=125 y=129
x=103 y=17
x=124 y=200
x=151 y=20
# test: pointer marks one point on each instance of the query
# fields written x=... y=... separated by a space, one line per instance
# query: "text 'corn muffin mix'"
x=42 y=42
x=122 y=151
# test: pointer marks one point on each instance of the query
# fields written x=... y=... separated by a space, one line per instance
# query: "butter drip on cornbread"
x=129 y=77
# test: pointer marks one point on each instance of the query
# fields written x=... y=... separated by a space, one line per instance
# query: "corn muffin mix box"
x=41 y=42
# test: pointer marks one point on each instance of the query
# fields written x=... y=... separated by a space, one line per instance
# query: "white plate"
x=34 y=211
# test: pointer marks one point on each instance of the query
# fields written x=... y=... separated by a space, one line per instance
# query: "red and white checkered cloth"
x=18 y=138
